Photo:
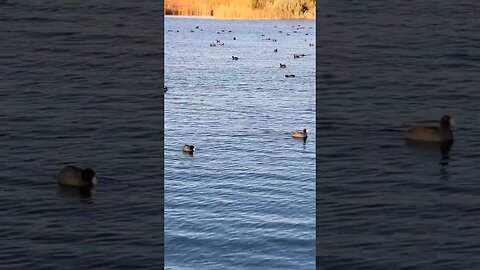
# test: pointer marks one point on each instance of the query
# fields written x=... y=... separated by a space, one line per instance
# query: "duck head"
x=88 y=175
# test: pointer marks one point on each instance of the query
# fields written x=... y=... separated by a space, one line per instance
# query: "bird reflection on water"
x=85 y=195
x=427 y=147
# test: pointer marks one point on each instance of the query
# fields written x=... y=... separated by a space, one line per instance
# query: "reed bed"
x=243 y=9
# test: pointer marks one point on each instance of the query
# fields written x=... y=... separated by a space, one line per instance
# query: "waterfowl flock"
x=295 y=56
x=301 y=134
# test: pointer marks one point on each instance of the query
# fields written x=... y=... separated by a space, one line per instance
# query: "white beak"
x=94 y=181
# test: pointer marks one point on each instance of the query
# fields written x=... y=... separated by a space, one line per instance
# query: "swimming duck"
x=289 y=76
x=440 y=134
x=300 y=133
x=276 y=50
x=283 y=65
x=234 y=58
x=188 y=148
x=165 y=89
x=77 y=177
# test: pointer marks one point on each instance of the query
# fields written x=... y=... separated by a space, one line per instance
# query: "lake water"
x=80 y=85
x=385 y=204
x=246 y=198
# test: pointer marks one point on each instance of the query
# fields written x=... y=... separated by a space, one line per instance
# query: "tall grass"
x=243 y=9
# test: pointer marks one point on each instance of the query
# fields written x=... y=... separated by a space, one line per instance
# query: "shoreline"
x=243 y=10
x=235 y=18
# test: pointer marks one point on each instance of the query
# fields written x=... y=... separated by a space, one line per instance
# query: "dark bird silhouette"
x=440 y=134
x=188 y=148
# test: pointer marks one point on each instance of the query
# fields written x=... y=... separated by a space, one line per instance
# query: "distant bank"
x=243 y=9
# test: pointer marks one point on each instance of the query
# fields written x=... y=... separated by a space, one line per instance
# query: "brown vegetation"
x=243 y=9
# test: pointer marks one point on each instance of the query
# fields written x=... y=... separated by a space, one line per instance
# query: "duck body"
x=300 y=133
x=289 y=76
x=428 y=134
x=76 y=177
x=283 y=65
x=442 y=134
x=188 y=148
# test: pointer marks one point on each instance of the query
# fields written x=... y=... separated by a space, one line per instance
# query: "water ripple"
x=245 y=199
x=64 y=101
x=385 y=203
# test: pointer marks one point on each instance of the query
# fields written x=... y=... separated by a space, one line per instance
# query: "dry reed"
x=243 y=9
